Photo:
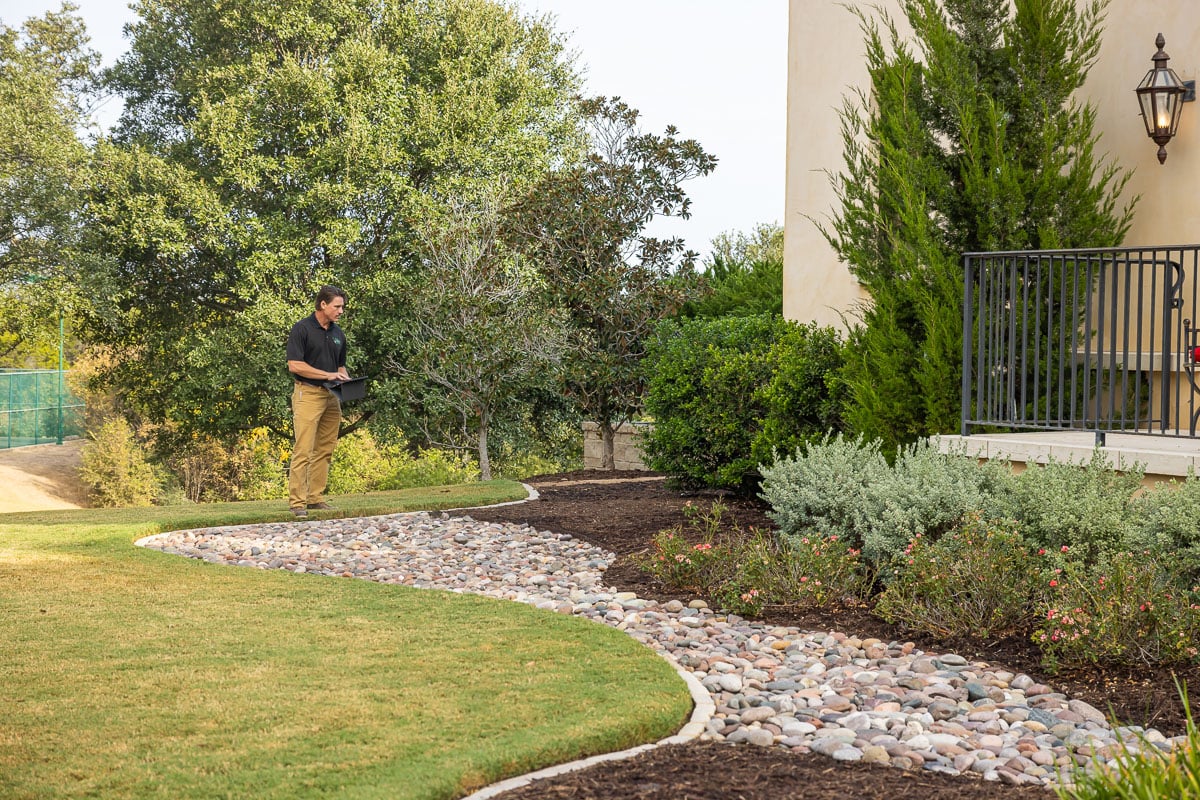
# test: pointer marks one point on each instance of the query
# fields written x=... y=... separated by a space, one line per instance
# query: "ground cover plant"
x=132 y=673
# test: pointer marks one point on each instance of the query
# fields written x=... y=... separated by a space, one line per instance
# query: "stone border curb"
x=532 y=495
x=703 y=709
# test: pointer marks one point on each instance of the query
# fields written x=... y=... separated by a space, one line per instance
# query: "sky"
x=715 y=69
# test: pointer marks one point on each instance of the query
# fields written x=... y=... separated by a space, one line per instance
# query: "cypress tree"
x=969 y=137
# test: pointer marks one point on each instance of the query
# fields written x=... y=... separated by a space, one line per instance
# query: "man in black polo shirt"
x=316 y=352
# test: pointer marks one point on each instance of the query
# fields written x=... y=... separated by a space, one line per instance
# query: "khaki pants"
x=316 y=415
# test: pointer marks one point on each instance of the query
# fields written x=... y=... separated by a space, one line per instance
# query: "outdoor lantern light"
x=1161 y=96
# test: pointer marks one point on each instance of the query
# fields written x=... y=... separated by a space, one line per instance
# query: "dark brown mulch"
x=621 y=512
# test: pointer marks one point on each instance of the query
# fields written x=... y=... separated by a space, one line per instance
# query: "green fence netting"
x=37 y=407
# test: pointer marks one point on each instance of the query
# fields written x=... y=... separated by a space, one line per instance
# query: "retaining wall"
x=627 y=451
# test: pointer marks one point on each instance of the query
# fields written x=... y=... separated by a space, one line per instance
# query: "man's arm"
x=306 y=370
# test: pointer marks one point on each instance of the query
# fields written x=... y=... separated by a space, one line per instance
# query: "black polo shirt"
x=318 y=347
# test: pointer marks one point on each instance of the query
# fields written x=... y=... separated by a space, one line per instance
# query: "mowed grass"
x=131 y=673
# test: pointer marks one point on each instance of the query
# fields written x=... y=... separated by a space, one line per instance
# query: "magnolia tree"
x=584 y=229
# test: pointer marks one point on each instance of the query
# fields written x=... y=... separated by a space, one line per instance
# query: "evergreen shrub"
x=926 y=494
x=1167 y=520
x=845 y=487
x=358 y=464
x=361 y=464
x=724 y=392
x=429 y=467
x=203 y=469
x=1085 y=507
x=827 y=487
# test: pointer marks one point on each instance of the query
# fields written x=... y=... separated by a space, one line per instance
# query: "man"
x=316 y=353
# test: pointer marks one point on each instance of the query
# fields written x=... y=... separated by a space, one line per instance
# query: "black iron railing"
x=1098 y=340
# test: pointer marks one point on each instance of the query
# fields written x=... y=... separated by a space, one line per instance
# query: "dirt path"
x=41 y=478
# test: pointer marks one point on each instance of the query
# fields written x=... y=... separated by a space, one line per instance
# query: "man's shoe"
x=299 y=513
x=320 y=507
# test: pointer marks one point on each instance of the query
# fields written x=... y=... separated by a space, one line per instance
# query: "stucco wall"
x=825 y=63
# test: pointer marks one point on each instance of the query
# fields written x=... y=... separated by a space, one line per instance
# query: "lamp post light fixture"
x=1161 y=95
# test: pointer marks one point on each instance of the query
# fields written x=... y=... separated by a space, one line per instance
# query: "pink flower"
x=1054 y=583
x=703 y=546
x=1042 y=552
x=1065 y=548
x=804 y=579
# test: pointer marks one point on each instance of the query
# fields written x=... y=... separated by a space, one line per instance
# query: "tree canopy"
x=47 y=74
x=267 y=148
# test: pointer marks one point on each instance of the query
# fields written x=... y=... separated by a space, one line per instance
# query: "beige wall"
x=825 y=62
x=1169 y=209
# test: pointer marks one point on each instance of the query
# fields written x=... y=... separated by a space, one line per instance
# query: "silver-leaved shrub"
x=845 y=487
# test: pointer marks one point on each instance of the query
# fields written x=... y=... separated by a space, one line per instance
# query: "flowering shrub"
x=680 y=561
x=745 y=573
x=978 y=580
x=680 y=564
x=818 y=571
x=1128 y=610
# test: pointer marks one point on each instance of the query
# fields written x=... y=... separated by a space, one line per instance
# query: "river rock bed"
x=808 y=691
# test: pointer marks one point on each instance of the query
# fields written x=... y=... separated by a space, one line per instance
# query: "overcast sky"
x=715 y=69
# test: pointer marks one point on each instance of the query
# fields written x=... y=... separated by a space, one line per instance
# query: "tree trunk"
x=606 y=439
x=485 y=464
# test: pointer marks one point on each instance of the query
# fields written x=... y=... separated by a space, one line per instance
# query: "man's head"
x=331 y=303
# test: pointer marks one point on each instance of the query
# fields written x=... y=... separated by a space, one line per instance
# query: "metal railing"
x=37 y=407
x=1100 y=340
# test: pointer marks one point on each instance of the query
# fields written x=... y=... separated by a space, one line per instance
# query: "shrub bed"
x=1076 y=558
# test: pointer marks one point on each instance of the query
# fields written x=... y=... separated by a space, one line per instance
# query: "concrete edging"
x=703 y=709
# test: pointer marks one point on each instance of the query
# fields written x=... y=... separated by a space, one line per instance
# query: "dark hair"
x=327 y=294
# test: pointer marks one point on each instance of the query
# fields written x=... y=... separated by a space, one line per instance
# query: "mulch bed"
x=621 y=512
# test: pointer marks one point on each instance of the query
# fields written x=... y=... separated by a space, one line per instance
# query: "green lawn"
x=130 y=673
